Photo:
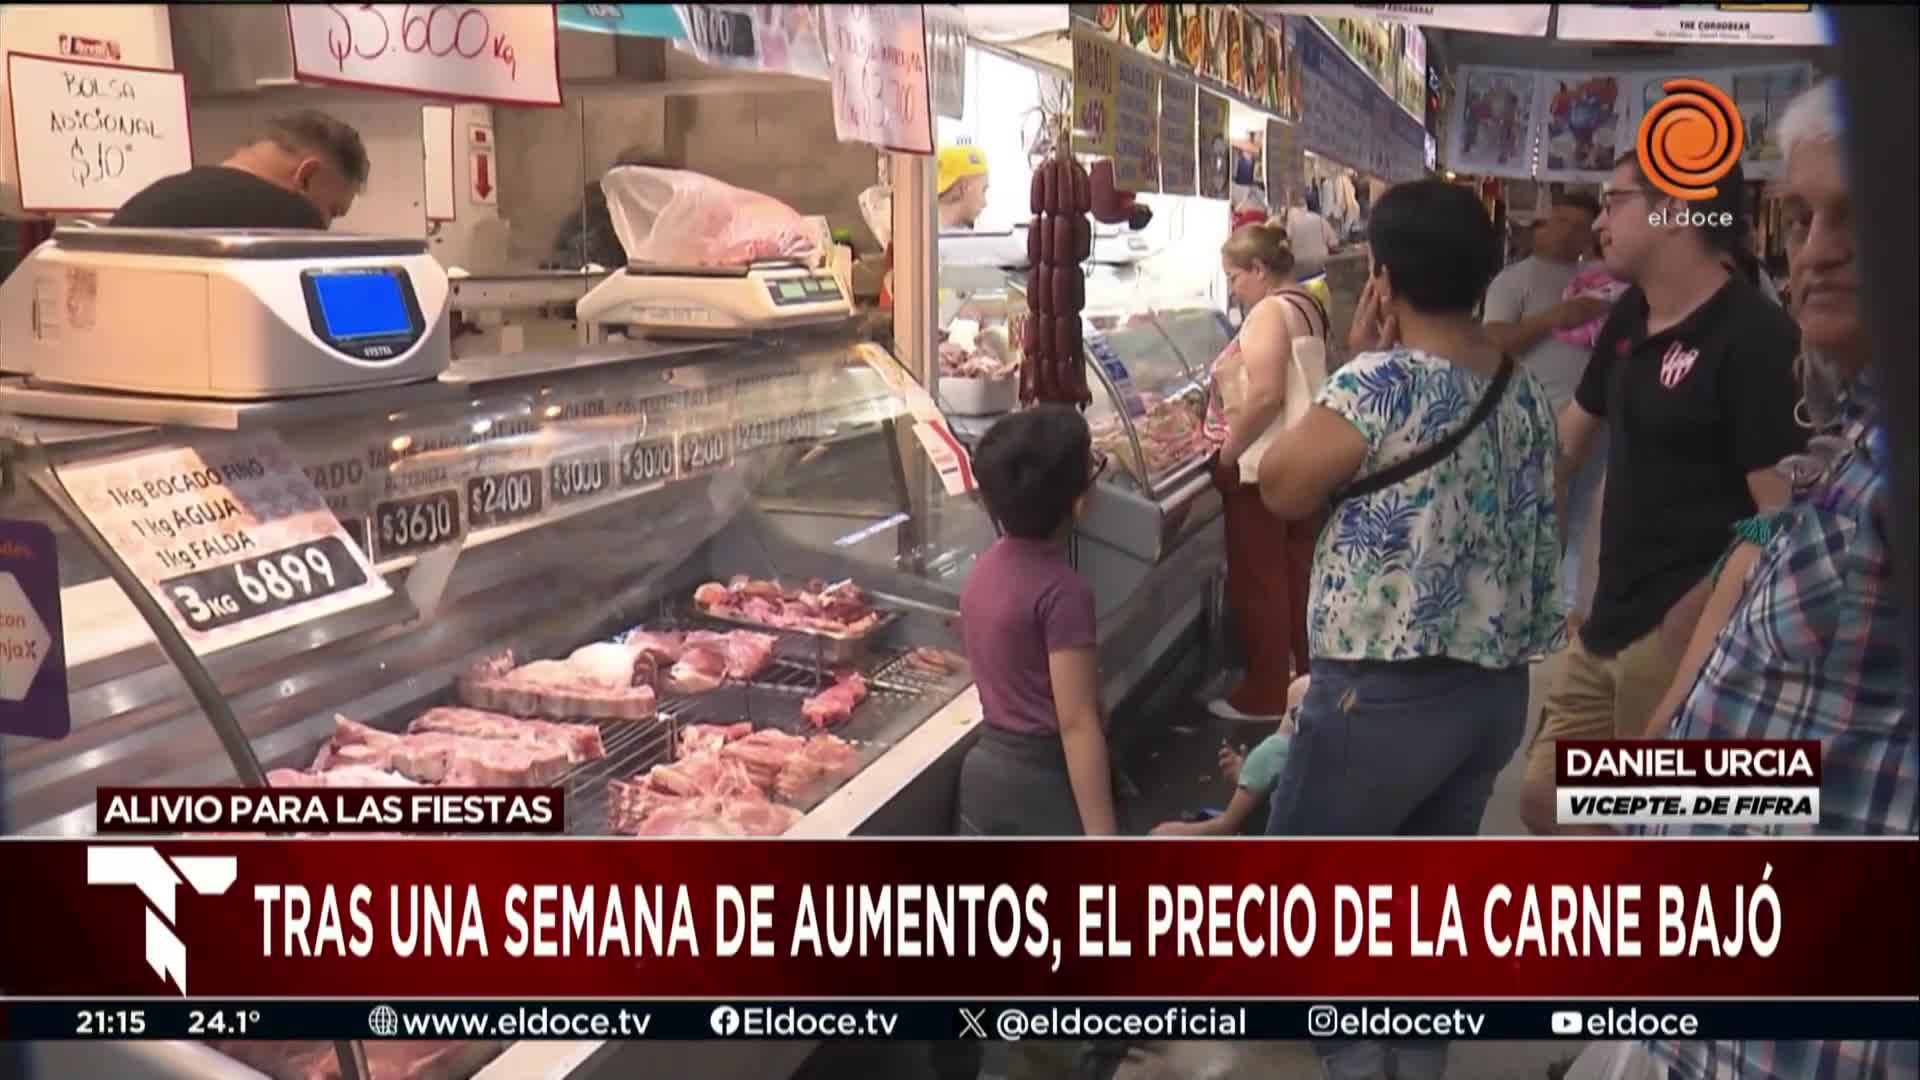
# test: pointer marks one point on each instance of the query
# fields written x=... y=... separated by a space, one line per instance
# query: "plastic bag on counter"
x=670 y=217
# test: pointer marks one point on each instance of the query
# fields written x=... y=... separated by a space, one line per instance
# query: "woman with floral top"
x=1431 y=592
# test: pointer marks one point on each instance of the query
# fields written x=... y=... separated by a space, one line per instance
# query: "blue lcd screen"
x=362 y=305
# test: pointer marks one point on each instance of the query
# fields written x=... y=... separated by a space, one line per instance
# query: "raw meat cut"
x=836 y=703
x=398 y=1059
x=338 y=776
x=581 y=740
x=697 y=737
x=839 y=609
x=453 y=760
x=605 y=680
x=663 y=648
x=707 y=659
x=787 y=765
x=940 y=662
x=704 y=773
x=824 y=759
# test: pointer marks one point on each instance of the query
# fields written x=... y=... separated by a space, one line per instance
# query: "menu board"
x=880 y=91
x=1216 y=157
x=1336 y=113
x=1136 y=130
x=1286 y=167
x=1179 y=155
x=228 y=535
x=1095 y=72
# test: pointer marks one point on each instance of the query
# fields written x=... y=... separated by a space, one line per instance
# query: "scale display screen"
x=802 y=290
x=362 y=305
x=372 y=314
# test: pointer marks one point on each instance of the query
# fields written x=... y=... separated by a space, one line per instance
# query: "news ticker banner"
x=1750 y=783
x=564 y=917
x=281 y=1020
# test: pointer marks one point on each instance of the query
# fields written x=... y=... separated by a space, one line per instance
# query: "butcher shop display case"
x=606 y=575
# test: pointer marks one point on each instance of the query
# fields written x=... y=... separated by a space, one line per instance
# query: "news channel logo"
x=1691 y=139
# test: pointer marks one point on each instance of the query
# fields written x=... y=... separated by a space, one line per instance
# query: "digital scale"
x=225 y=314
x=714 y=301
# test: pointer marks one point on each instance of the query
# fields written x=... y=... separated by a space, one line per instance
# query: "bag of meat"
x=670 y=217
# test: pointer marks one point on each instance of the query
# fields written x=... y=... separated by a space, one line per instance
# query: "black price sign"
x=751 y=435
x=404 y=526
x=704 y=451
x=649 y=461
x=260 y=585
x=499 y=498
x=357 y=529
x=579 y=476
x=720 y=33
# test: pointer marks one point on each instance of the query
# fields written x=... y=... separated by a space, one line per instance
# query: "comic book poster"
x=1493 y=123
x=1586 y=128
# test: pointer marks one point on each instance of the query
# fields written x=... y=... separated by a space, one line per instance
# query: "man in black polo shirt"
x=1692 y=374
x=301 y=171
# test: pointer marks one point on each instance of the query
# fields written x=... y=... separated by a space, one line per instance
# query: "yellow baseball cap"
x=956 y=162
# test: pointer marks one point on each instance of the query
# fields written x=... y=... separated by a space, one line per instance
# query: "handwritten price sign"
x=500 y=53
x=880 y=92
x=1094 y=64
x=91 y=135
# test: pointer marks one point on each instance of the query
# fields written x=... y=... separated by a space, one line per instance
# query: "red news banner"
x=785 y=918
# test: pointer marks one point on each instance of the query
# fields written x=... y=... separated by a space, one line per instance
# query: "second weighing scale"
x=714 y=301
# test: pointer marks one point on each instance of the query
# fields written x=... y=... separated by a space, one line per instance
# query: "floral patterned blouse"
x=1460 y=561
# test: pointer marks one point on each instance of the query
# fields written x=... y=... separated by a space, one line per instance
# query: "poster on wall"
x=1491 y=130
x=1104 y=16
x=1216 y=157
x=1695 y=24
x=1276 y=96
x=1144 y=27
x=1214 y=60
x=1187 y=50
x=1136 y=127
x=1253 y=59
x=1095 y=58
x=1586 y=124
x=1522 y=20
x=1178 y=143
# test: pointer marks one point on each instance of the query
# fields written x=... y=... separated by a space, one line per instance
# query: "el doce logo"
x=1690 y=139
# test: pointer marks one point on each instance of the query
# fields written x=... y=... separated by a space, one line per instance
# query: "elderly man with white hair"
x=1802 y=637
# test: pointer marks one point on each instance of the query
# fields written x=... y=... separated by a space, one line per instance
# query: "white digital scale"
x=225 y=314
x=714 y=301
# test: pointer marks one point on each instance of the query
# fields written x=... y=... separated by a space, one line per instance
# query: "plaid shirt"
x=1813 y=651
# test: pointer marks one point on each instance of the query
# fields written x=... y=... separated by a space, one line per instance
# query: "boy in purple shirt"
x=1040 y=766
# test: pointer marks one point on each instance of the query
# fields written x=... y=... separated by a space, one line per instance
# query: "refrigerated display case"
x=518 y=504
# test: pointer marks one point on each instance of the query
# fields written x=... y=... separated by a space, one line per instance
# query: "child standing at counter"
x=1040 y=767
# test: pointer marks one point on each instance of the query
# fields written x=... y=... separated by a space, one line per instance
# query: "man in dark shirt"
x=1692 y=374
x=301 y=171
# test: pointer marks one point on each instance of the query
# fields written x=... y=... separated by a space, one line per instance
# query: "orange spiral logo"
x=1690 y=139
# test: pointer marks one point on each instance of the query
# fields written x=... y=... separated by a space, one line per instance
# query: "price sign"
x=1095 y=60
x=500 y=498
x=704 y=451
x=356 y=530
x=573 y=477
x=720 y=32
x=89 y=136
x=751 y=435
x=1116 y=370
x=500 y=53
x=880 y=79
x=418 y=522
x=228 y=533
x=647 y=462
x=224 y=595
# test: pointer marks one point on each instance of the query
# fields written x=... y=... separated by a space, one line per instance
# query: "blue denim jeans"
x=1583 y=503
x=1407 y=748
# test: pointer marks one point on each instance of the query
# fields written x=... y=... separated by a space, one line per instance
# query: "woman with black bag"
x=1435 y=579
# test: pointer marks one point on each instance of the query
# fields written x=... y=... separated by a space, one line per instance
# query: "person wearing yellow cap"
x=961 y=177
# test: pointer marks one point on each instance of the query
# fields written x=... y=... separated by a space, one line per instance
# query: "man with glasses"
x=1692 y=376
x=301 y=171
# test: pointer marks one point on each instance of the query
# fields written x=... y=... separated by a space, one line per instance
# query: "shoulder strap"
x=1322 y=329
x=1438 y=452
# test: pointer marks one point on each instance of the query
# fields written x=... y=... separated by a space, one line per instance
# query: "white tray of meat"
x=833 y=621
x=607 y=680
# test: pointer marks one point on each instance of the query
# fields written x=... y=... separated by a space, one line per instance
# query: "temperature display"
x=503 y=497
x=225 y=595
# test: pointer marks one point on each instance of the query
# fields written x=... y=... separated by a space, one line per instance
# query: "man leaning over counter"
x=301 y=170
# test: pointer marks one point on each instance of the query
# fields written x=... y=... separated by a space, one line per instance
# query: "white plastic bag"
x=670 y=217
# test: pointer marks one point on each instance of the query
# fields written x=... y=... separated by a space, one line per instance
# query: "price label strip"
x=751 y=435
x=584 y=475
x=647 y=463
x=410 y=525
x=255 y=586
x=230 y=535
x=705 y=452
x=504 y=498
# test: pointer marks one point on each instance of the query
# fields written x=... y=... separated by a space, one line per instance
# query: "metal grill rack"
x=633 y=746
